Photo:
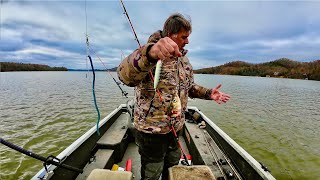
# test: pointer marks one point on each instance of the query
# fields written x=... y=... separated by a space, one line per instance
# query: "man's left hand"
x=218 y=96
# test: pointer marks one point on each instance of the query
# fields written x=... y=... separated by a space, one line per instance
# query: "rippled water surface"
x=276 y=120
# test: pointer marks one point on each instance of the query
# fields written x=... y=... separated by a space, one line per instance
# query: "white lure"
x=157 y=74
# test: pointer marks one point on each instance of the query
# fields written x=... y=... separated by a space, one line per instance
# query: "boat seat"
x=103 y=159
x=115 y=137
x=191 y=172
x=105 y=174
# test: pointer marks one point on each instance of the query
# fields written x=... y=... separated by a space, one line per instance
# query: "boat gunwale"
x=77 y=143
x=243 y=153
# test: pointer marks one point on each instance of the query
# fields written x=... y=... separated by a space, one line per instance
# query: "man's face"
x=181 y=38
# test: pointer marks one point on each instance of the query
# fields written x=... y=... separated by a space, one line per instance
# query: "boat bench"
x=202 y=172
x=104 y=158
x=104 y=174
x=116 y=137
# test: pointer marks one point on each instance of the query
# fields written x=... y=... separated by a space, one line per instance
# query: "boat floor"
x=133 y=154
x=208 y=153
x=208 y=147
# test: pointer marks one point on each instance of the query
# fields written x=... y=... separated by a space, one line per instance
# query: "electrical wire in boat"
x=94 y=95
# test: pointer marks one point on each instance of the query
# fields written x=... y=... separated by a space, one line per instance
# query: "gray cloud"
x=222 y=31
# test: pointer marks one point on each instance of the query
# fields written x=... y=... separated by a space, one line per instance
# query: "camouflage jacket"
x=156 y=113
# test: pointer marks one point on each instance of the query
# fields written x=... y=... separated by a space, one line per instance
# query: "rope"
x=124 y=93
x=94 y=95
x=48 y=160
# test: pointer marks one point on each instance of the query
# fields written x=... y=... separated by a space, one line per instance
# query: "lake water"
x=277 y=121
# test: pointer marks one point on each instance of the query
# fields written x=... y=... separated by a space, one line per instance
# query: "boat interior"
x=116 y=146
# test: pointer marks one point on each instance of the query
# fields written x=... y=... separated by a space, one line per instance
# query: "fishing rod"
x=181 y=149
x=158 y=66
x=156 y=80
x=49 y=160
x=88 y=50
x=127 y=15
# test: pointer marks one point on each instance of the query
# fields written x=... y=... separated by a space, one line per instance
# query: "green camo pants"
x=158 y=153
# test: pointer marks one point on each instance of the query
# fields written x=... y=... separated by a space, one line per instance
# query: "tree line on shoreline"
x=12 y=66
x=282 y=68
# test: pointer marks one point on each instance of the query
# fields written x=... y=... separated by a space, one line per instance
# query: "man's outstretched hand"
x=218 y=96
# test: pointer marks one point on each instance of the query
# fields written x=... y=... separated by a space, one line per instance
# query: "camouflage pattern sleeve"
x=196 y=91
x=134 y=68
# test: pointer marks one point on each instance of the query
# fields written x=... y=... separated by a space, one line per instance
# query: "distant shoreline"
x=280 y=68
x=15 y=67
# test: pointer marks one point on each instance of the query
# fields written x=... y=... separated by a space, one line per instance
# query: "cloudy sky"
x=53 y=32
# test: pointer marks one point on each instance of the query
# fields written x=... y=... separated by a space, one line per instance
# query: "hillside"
x=283 y=67
x=11 y=66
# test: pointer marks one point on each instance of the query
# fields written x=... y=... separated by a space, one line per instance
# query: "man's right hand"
x=164 y=49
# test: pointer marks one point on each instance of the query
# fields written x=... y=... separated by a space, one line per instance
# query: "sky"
x=53 y=32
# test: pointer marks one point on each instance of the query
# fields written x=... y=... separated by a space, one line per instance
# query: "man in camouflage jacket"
x=155 y=112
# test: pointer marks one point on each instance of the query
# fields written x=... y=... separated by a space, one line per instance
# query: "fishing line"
x=89 y=49
x=150 y=72
x=87 y=40
x=94 y=75
x=136 y=38
x=1 y=2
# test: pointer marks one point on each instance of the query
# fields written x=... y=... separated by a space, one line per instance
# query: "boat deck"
x=115 y=147
x=103 y=155
x=133 y=154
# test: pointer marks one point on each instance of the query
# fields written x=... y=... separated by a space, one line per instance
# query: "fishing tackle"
x=49 y=160
x=157 y=74
x=136 y=38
